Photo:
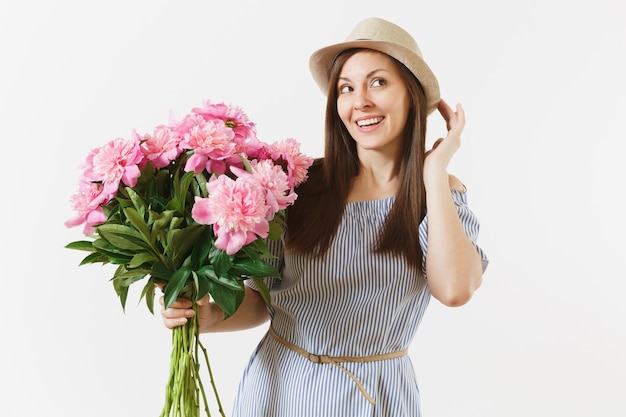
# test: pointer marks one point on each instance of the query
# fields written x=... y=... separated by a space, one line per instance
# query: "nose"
x=361 y=99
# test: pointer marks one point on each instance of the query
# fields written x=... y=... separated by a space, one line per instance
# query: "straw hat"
x=383 y=36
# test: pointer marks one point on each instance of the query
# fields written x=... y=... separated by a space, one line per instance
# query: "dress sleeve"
x=470 y=224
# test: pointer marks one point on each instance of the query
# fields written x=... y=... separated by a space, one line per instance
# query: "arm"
x=453 y=265
x=251 y=313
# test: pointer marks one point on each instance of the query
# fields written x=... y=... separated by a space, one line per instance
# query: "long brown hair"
x=314 y=218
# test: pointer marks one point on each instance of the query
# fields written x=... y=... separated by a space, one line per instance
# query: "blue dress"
x=351 y=302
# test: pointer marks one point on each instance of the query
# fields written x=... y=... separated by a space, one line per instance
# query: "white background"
x=543 y=86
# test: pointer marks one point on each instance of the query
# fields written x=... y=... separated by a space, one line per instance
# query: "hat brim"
x=322 y=60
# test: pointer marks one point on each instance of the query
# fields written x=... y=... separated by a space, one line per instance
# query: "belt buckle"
x=314 y=358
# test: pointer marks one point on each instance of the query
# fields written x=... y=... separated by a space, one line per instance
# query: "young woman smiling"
x=379 y=227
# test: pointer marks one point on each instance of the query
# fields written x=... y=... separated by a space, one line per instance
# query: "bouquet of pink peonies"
x=189 y=207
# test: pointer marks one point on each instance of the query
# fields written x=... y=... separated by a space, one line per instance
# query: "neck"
x=374 y=184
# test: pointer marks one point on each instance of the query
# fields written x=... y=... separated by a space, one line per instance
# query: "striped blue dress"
x=351 y=302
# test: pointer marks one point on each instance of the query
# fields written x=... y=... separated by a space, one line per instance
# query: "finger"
x=460 y=114
x=446 y=112
x=457 y=124
x=456 y=119
x=203 y=301
x=171 y=323
x=176 y=314
x=180 y=303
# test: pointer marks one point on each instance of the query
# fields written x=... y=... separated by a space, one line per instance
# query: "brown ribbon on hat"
x=336 y=360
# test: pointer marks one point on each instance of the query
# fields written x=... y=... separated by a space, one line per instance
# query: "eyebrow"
x=369 y=74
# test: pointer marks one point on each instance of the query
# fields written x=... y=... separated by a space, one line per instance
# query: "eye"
x=343 y=89
x=379 y=82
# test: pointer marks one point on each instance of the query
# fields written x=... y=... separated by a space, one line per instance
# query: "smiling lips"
x=369 y=122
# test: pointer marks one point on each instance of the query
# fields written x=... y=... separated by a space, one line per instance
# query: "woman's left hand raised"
x=443 y=149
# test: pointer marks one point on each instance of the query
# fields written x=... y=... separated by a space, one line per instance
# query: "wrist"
x=435 y=179
x=210 y=316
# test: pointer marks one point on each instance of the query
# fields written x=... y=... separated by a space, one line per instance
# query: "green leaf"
x=94 y=258
x=258 y=268
x=138 y=202
x=280 y=218
x=123 y=279
x=115 y=255
x=104 y=247
x=257 y=249
x=275 y=231
x=120 y=290
x=227 y=281
x=140 y=224
x=122 y=293
x=246 y=164
x=183 y=187
x=250 y=251
x=177 y=222
x=142 y=258
x=202 y=247
x=220 y=260
x=122 y=237
x=202 y=285
x=86 y=245
x=122 y=204
x=160 y=221
x=162 y=182
x=201 y=182
x=175 y=284
x=228 y=299
x=128 y=276
x=148 y=292
x=263 y=290
x=161 y=271
x=183 y=240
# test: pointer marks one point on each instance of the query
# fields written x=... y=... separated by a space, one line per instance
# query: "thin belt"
x=336 y=360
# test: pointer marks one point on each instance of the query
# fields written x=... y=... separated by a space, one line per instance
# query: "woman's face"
x=373 y=101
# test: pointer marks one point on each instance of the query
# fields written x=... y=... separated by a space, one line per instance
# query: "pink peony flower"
x=86 y=203
x=274 y=181
x=236 y=209
x=113 y=163
x=262 y=152
x=297 y=163
x=245 y=131
x=184 y=126
x=210 y=141
x=160 y=148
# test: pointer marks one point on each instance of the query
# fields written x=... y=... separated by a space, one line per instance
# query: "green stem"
x=199 y=380
x=208 y=366
x=196 y=381
x=184 y=386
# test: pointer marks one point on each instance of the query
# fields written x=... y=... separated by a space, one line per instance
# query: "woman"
x=361 y=257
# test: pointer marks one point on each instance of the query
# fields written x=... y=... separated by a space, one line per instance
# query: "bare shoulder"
x=455 y=183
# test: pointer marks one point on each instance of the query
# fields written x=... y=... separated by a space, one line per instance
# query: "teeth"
x=368 y=122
